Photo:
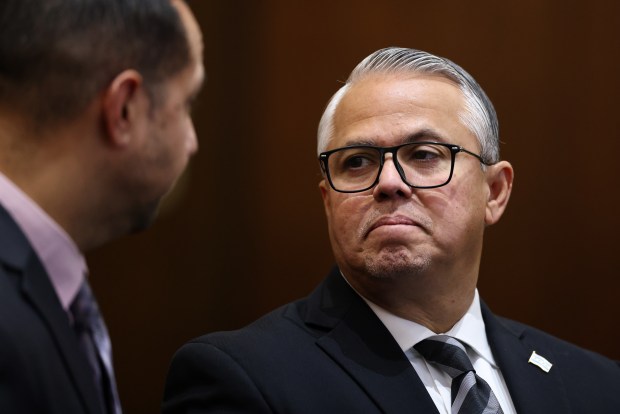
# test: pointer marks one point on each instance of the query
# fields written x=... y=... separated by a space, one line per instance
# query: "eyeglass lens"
x=423 y=165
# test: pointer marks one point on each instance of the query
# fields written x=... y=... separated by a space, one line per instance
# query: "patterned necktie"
x=95 y=342
x=470 y=393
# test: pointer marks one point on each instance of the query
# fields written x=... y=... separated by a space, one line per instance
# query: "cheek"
x=457 y=211
x=346 y=217
x=180 y=139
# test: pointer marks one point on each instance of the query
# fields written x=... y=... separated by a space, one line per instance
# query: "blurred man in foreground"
x=95 y=129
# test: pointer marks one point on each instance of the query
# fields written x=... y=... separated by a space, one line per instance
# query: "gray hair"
x=479 y=115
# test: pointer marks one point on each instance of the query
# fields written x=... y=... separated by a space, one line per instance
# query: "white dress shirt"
x=470 y=330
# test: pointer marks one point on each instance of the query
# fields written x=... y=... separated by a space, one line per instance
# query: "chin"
x=142 y=219
x=396 y=263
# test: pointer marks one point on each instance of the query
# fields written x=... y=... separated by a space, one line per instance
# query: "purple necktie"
x=95 y=342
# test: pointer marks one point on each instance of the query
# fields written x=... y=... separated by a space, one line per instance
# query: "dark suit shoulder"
x=563 y=349
x=269 y=327
x=277 y=336
x=547 y=374
x=274 y=364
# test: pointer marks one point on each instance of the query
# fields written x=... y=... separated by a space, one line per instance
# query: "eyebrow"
x=425 y=134
x=201 y=83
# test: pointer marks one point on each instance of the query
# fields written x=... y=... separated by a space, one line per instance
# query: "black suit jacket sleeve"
x=203 y=378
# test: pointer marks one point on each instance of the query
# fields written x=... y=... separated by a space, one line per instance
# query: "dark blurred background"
x=244 y=231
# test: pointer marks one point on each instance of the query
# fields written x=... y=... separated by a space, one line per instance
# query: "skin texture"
x=102 y=174
x=157 y=145
x=414 y=252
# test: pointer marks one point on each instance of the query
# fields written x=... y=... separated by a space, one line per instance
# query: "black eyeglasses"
x=420 y=165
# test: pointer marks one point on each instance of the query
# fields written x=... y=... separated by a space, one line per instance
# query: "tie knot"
x=446 y=351
x=84 y=309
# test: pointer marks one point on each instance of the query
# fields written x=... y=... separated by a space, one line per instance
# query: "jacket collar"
x=532 y=390
x=356 y=340
x=352 y=335
x=19 y=257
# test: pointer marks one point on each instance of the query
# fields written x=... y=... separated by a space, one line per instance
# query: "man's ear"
x=499 y=180
x=119 y=104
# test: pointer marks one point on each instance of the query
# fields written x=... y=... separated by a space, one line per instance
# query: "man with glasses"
x=409 y=151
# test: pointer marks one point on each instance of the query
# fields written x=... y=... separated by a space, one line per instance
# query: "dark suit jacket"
x=329 y=353
x=42 y=370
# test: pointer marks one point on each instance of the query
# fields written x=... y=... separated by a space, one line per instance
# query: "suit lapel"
x=17 y=253
x=532 y=390
x=39 y=290
x=358 y=342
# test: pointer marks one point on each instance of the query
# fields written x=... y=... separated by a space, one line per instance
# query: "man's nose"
x=390 y=183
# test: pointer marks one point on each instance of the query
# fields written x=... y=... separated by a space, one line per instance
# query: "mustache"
x=402 y=215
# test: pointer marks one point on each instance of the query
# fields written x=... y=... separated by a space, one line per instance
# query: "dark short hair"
x=56 y=55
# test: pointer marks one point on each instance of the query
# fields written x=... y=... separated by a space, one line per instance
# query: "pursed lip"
x=392 y=221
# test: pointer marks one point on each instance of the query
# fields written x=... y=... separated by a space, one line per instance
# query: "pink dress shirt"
x=60 y=256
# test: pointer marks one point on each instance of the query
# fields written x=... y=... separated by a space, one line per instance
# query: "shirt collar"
x=469 y=329
x=60 y=256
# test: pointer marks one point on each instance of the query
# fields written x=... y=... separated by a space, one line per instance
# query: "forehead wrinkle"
x=426 y=134
x=360 y=141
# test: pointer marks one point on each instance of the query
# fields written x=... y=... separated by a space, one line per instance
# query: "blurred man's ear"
x=120 y=105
